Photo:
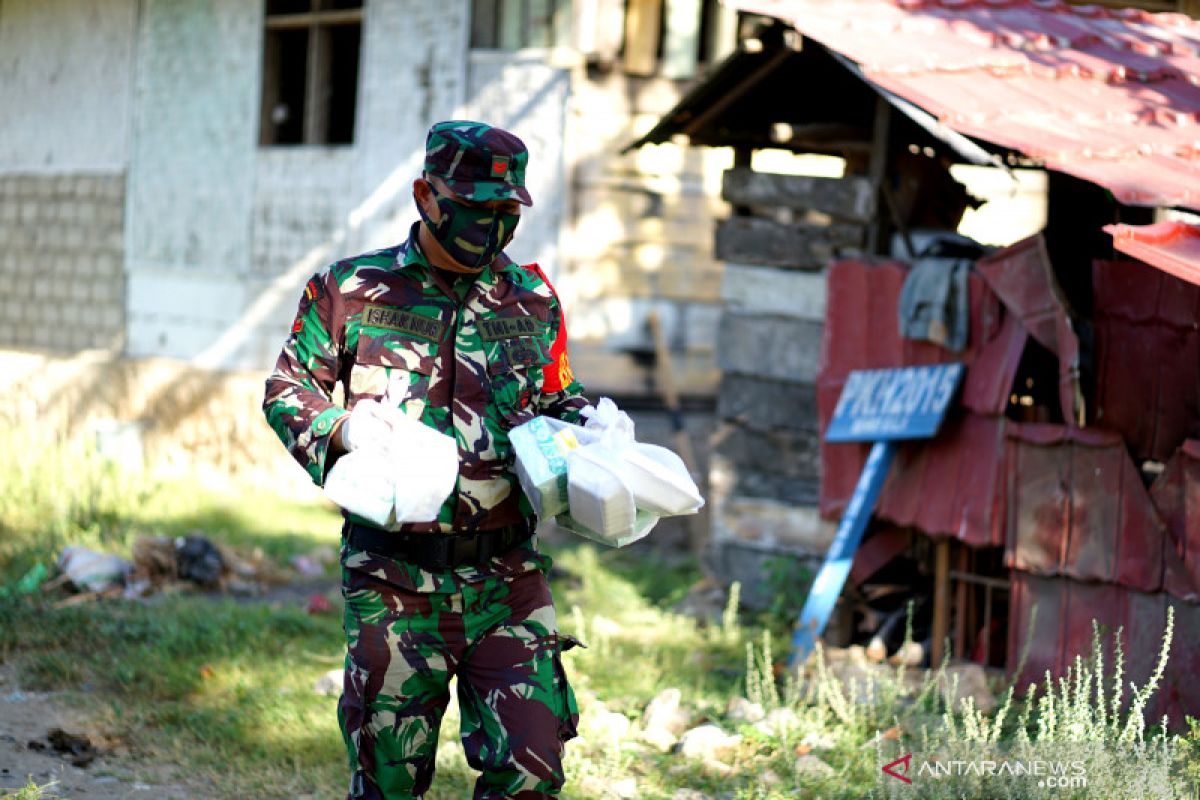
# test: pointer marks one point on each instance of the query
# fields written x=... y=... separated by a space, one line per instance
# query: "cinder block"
x=764 y=572
x=764 y=404
x=785 y=453
x=767 y=290
x=771 y=347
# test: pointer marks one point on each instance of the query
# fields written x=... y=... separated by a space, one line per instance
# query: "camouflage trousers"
x=500 y=638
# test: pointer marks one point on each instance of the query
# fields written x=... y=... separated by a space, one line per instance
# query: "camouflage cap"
x=478 y=162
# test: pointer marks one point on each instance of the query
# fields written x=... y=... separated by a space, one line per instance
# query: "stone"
x=625 y=788
x=818 y=741
x=778 y=722
x=330 y=683
x=809 y=765
x=971 y=682
x=661 y=740
x=740 y=709
x=664 y=713
x=706 y=742
x=690 y=794
x=606 y=725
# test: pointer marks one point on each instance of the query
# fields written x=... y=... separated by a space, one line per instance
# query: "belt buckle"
x=438 y=558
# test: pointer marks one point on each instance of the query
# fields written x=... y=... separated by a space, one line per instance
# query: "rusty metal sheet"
x=1062 y=629
x=1076 y=506
x=1176 y=495
x=1173 y=247
x=861 y=332
x=1021 y=276
x=952 y=485
x=1147 y=356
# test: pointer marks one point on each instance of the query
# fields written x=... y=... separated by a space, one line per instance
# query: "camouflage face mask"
x=472 y=235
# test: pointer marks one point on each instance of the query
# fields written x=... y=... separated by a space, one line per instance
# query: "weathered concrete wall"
x=189 y=421
x=765 y=472
x=525 y=94
x=223 y=233
x=66 y=70
x=639 y=237
x=61 y=261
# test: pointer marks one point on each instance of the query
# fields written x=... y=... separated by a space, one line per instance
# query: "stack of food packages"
x=597 y=480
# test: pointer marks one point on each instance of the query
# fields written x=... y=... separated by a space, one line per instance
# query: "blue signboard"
x=886 y=404
x=881 y=406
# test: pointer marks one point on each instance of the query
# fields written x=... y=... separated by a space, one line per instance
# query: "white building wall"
x=523 y=93
x=224 y=232
x=66 y=70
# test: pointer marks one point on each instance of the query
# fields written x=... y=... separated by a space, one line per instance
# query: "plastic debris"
x=90 y=571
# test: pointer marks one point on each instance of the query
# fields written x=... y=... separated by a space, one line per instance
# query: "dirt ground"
x=112 y=772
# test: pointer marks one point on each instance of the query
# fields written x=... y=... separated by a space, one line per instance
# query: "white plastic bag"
x=402 y=477
x=659 y=480
x=91 y=571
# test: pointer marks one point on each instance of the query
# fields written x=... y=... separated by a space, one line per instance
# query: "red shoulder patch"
x=556 y=375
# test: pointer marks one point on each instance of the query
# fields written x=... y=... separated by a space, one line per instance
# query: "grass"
x=221 y=690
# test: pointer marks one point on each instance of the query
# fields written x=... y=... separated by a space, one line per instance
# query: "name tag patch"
x=510 y=327
x=397 y=319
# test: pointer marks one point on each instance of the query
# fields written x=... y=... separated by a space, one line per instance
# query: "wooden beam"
x=284 y=21
x=643 y=22
x=753 y=240
x=941 y=601
x=851 y=198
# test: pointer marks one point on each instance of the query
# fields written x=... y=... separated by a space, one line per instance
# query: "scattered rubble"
x=809 y=766
x=707 y=742
x=665 y=713
x=330 y=683
x=740 y=709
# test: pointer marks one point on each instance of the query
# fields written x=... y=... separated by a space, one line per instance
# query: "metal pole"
x=829 y=581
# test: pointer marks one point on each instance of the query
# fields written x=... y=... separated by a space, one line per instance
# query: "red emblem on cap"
x=499 y=166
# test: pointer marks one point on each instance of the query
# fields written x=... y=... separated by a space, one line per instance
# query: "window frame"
x=317 y=81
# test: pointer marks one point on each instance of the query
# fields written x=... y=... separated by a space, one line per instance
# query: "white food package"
x=601 y=505
x=403 y=477
x=540 y=449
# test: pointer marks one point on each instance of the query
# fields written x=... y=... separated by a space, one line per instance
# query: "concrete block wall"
x=765 y=464
x=639 y=237
x=62 y=256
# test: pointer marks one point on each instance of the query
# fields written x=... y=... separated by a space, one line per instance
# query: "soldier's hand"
x=367 y=424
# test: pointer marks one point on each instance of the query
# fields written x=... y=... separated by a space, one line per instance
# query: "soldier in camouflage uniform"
x=452 y=332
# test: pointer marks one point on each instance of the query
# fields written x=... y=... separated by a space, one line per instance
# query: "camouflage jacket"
x=387 y=324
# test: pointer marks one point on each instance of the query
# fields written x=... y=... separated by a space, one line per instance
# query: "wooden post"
x=960 y=603
x=878 y=170
x=941 y=601
x=683 y=444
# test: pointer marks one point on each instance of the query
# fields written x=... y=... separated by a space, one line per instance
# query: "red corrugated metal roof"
x=1109 y=96
x=1171 y=246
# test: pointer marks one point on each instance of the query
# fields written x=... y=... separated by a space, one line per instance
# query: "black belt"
x=439 y=551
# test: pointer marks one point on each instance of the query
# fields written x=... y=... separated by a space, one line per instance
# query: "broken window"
x=310 y=71
x=517 y=24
